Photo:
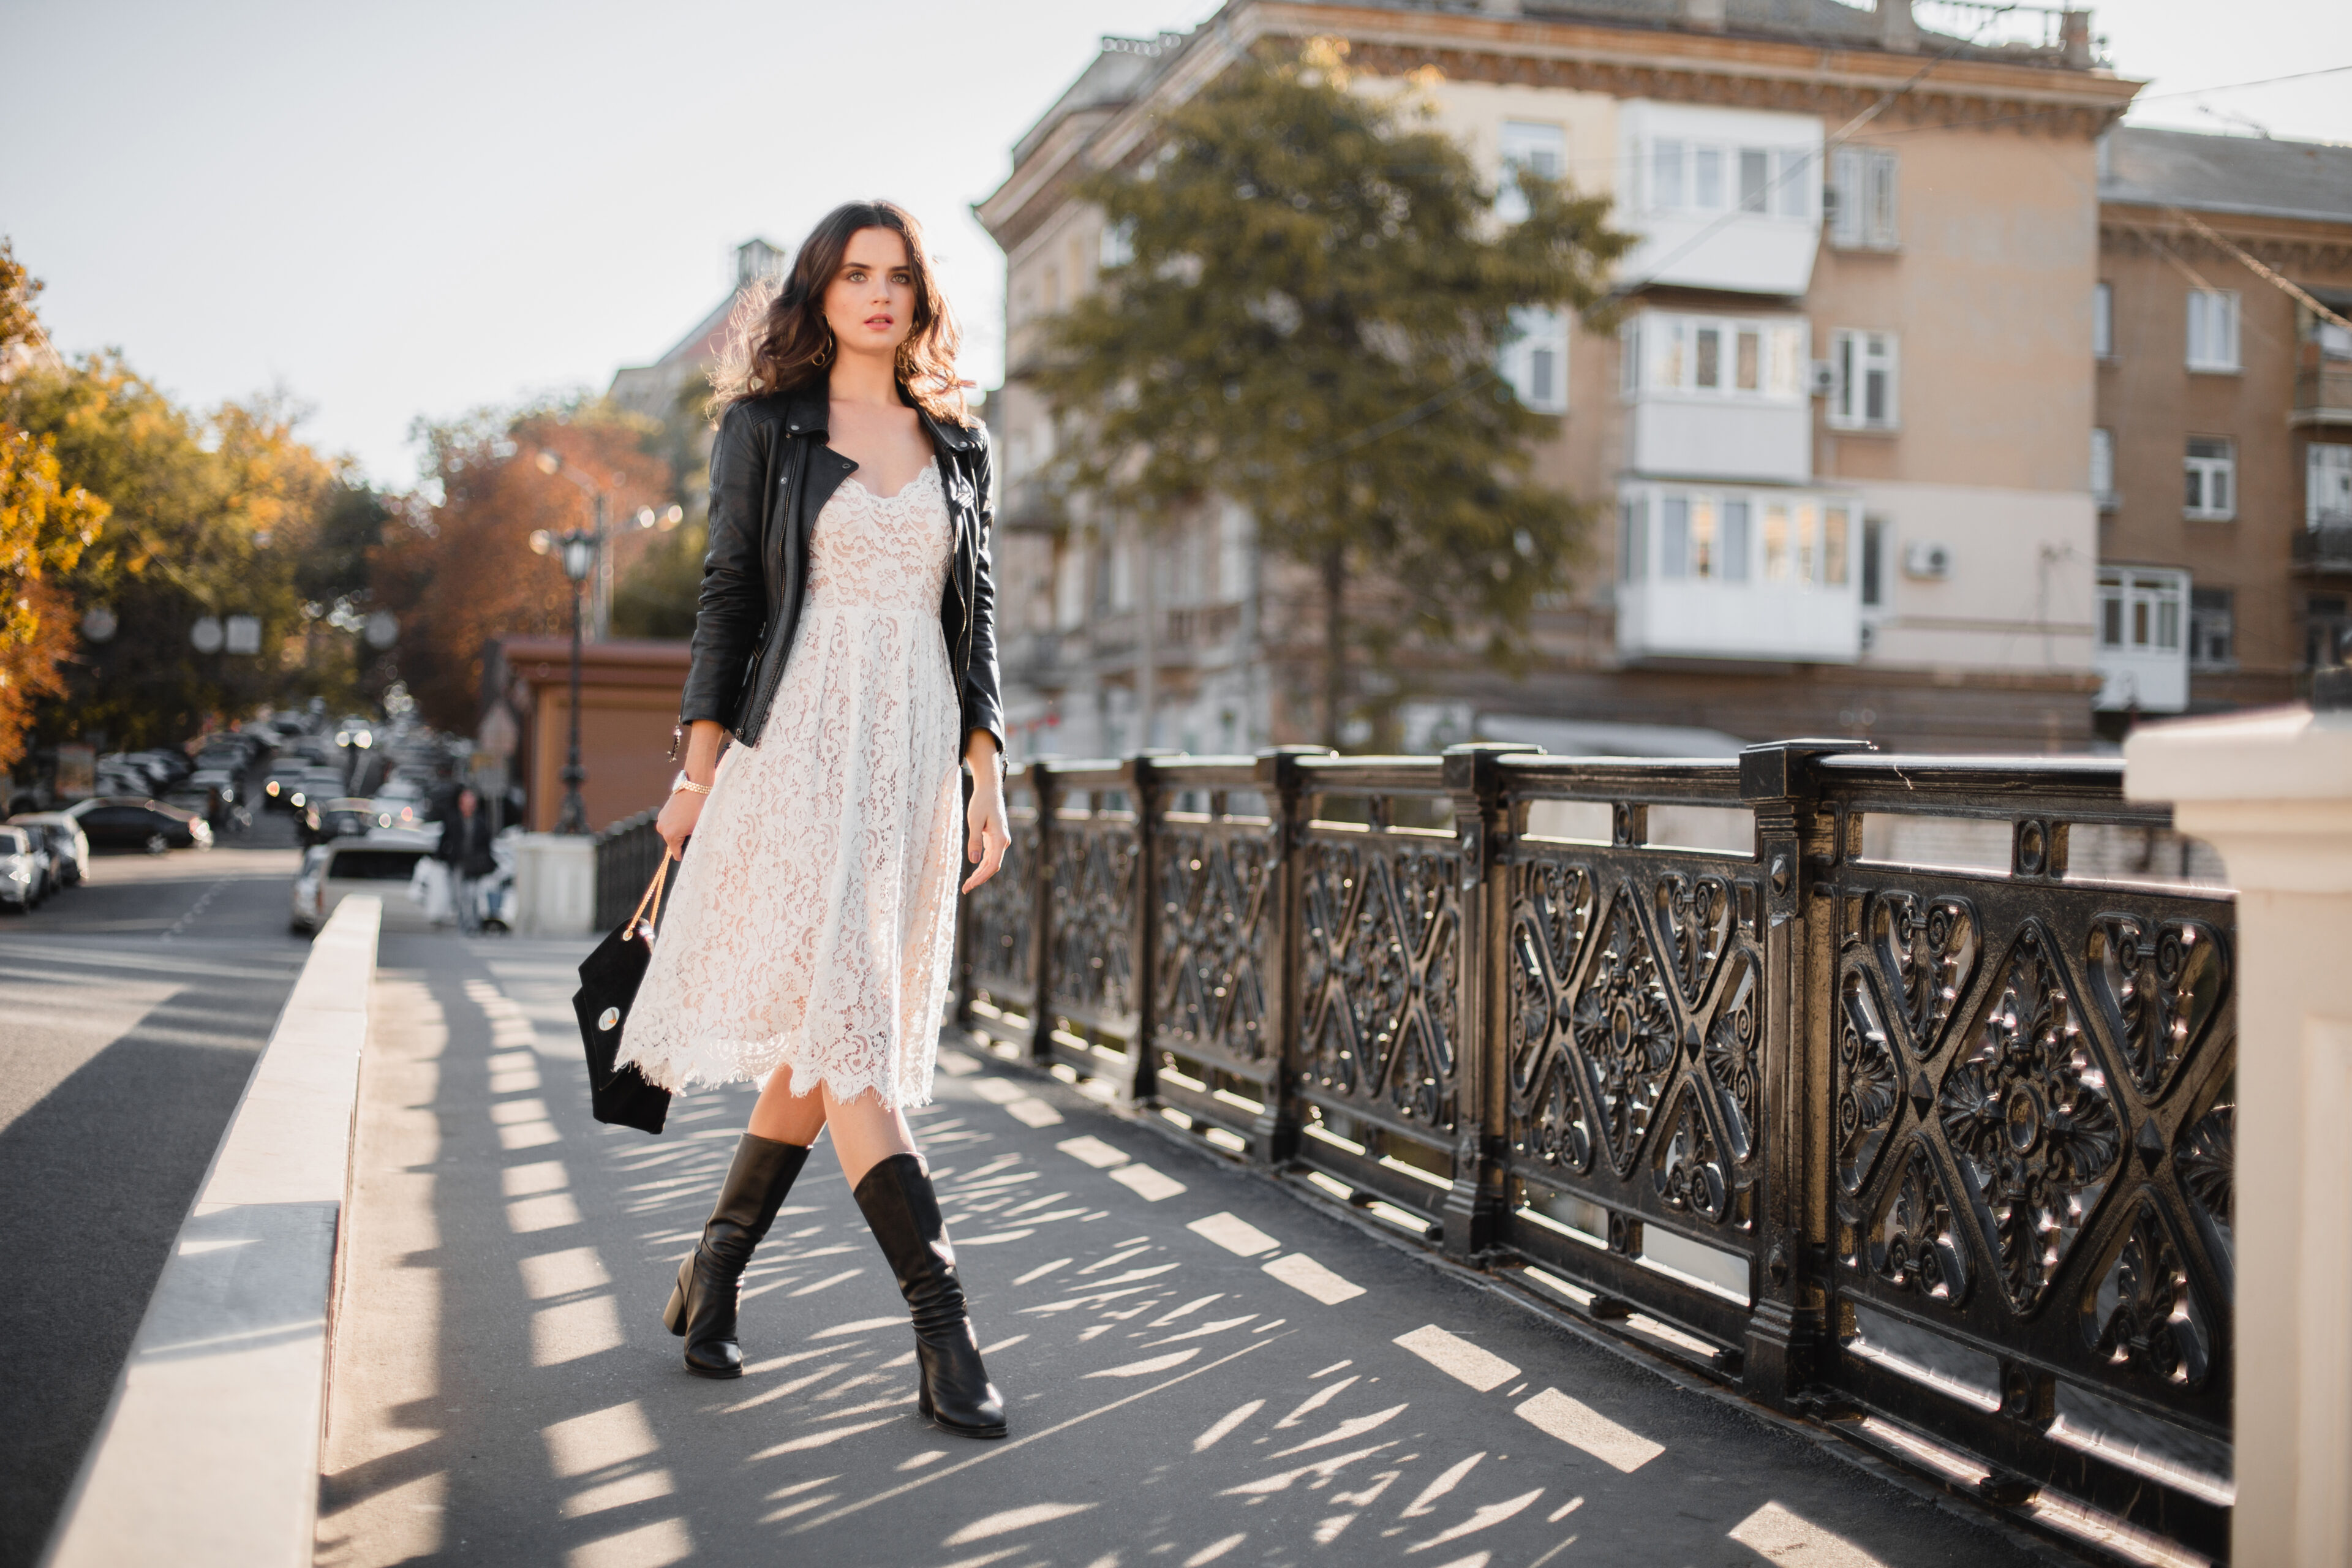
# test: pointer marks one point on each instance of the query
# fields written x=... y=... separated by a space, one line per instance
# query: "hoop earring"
x=823 y=355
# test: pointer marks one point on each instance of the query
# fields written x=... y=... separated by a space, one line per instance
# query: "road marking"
x=1458 y=1358
x=1032 y=1112
x=1148 y=1185
x=1145 y=1368
x=1780 y=1537
x=998 y=1090
x=562 y=1273
x=1581 y=1427
x=1234 y=1234
x=955 y=1064
x=1301 y=1273
x=1093 y=1151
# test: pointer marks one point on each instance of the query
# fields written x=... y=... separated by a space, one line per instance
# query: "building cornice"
x=1622 y=60
x=2318 y=243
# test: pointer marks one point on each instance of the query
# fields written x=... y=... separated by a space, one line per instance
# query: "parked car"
x=117 y=821
x=382 y=862
x=68 y=849
x=23 y=869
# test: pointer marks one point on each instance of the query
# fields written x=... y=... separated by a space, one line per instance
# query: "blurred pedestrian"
x=466 y=850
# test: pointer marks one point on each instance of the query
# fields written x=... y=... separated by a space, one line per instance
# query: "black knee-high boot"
x=702 y=1305
x=899 y=1206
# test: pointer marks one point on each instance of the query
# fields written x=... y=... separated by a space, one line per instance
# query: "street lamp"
x=578 y=549
x=551 y=462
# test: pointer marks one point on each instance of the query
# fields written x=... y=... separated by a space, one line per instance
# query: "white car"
x=24 y=869
x=382 y=862
x=69 y=846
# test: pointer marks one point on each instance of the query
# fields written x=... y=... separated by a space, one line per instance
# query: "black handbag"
x=609 y=978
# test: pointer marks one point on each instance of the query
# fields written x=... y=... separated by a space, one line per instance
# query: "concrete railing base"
x=208 y=1456
x=555 y=885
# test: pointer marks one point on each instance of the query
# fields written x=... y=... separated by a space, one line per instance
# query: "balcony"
x=2324 y=549
x=2323 y=394
x=1717 y=440
x=1746 y=575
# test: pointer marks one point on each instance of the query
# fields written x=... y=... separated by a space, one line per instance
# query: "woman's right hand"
x=678 y=816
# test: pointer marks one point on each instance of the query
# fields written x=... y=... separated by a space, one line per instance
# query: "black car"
x=117 y=822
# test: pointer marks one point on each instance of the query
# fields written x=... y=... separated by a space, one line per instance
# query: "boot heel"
x=673 y=1315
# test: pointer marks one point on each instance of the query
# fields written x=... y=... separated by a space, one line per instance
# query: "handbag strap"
x=653 y=894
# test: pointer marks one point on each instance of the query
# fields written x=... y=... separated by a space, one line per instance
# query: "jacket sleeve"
x=983 y=702
x=732 y=609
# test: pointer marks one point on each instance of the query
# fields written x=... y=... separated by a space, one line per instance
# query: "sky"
x=390 y=212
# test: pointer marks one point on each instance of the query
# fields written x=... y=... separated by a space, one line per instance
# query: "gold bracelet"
x=688 y=785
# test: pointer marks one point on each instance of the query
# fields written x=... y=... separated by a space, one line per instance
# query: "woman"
x=845 y=638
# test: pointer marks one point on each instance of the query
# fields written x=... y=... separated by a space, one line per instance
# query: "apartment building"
x=2221 y=460
x=1837 y=440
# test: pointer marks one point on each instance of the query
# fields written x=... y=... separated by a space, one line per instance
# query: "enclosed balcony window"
x=2327 y=484
x=1749 y=360
x=1761 y=572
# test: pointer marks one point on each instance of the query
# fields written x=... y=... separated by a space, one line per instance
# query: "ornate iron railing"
x=1942 y=1156
x=626 y=854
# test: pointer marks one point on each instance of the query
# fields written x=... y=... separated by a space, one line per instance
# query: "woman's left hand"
x=991 y=838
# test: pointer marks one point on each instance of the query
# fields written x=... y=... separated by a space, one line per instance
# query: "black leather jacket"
x=771 y=474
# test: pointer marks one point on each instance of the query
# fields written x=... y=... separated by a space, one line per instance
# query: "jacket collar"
x=807 y=411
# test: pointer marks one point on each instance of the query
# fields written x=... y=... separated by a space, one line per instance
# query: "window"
x=2103 y=468
x=2335 y=341
x=2140 y=610
x=1708 y=537
x=2103 y=320
x=1874 y=561
x=1117 y=247
x=2327 y=485
x=1749 y=360
x=1703 y=178
x=2212 y=329
x=1674 y=537
x=2212 y=472
x=2325 y=622
x=1541 y=150
x=1862 y=396
x=1861 y=198
x=1734 y=558
x=2212 y=643
x=1535 y=362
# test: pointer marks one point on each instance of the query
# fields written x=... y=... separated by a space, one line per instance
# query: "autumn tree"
x=1317 y=293
x=457 y=569
x=45 y=524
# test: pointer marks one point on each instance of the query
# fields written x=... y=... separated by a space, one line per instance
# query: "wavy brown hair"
x=777 y=333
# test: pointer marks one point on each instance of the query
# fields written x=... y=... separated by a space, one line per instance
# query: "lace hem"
x=758 y=1060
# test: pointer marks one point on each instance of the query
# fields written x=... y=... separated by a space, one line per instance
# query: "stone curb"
x=208 y=1456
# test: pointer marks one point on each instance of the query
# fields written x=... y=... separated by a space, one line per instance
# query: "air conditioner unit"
x=1932 y=562
x=1824 y=378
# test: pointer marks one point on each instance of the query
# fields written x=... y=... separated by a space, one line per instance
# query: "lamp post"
x=580 y=549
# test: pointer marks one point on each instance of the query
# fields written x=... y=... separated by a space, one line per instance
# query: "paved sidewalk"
x=1198 y=1369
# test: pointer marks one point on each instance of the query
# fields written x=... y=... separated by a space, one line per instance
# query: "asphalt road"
x=131 y=1009
x=1199 y=1368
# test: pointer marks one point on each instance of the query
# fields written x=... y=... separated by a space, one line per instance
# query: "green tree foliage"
x=1317 y=293
x=210 y=517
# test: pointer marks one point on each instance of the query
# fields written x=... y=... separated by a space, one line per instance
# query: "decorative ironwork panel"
x=1382 y=930
x=2035 y=1117
x=1093 y=918
x=1215 y=934
x=1634 y=1041
x=1000 y=954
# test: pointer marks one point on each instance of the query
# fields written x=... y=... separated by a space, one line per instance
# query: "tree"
x=210 y=514
x=460 y=571
x=1317 y=294
x=44 y=526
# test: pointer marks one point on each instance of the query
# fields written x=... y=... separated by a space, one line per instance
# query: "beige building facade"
x=1836 y=441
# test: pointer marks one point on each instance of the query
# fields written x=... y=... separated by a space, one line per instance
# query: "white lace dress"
x=812 y=922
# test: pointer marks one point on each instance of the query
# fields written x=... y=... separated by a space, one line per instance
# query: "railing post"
x=1143 y=926
x=1795 y=843
x=1274 y=1140
x=1047 y=788
x=1477 y=1204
